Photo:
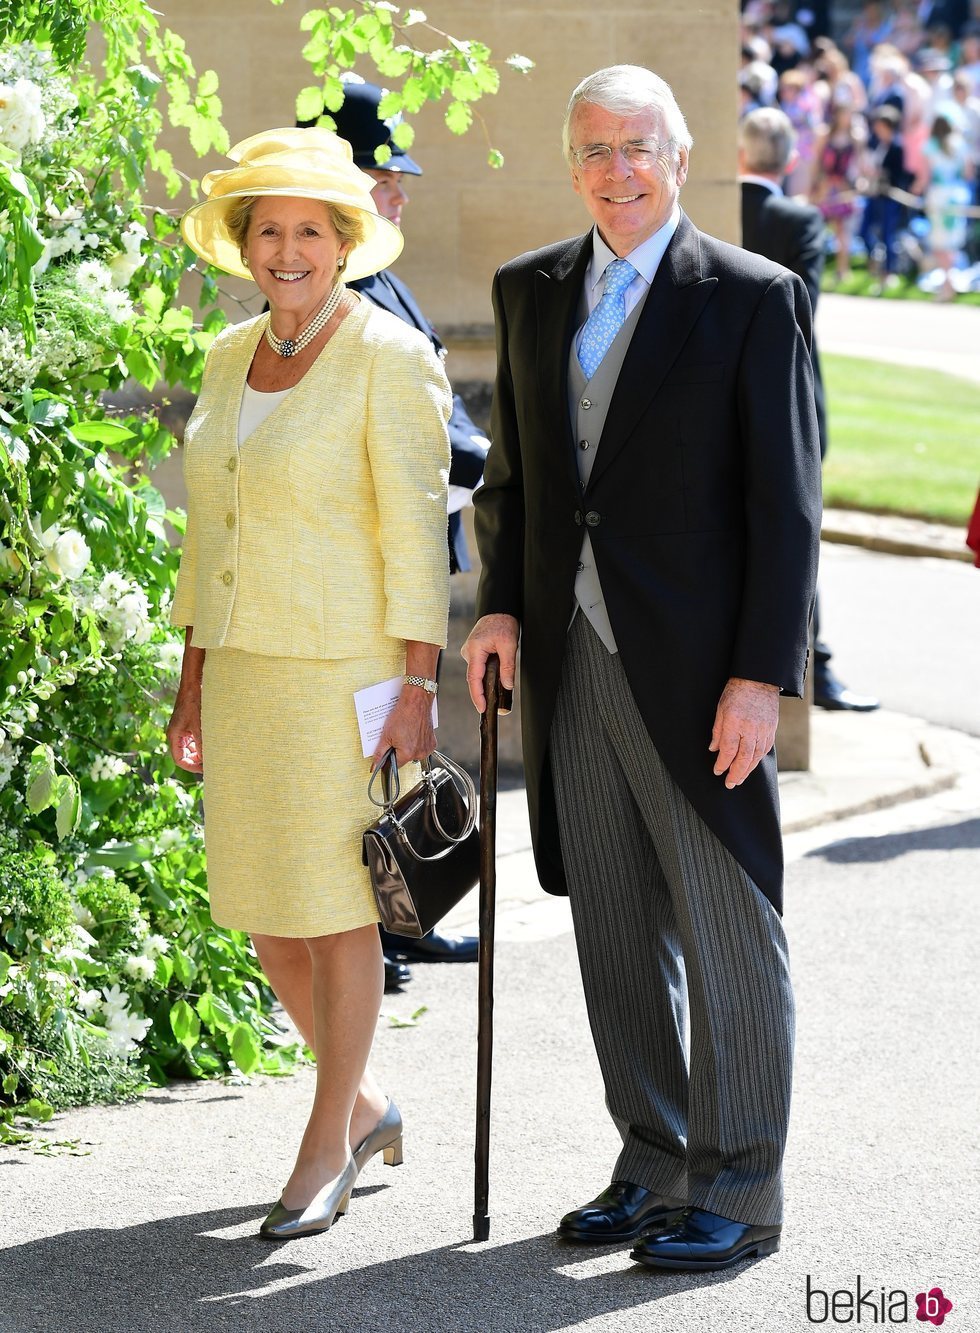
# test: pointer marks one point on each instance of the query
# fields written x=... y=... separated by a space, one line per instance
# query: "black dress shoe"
x=702 y=1240
x=621 y=1212
x=432 y=948
x=830 y=693
x=396 y=975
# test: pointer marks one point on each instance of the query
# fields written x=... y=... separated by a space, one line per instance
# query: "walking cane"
x=498 y=699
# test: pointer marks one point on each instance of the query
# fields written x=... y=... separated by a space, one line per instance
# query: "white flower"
x=119 y=306
x=92 y=275
x=170 y=837
x=21 y=118
x=156 y=944
x=126 y=1030
x=123 y=265
x=92 y=240
x=113 y=586
x=71 y=554
x=8 y=762
x=89 y=1001
x=170 y=655
x=116 y=1000
x=140 y=967
x=105 y=767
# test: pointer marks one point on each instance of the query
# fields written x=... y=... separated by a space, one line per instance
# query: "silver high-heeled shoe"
x=386 y=1137
x=283 y=1223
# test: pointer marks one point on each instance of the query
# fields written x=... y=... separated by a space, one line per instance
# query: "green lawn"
x=901 y=440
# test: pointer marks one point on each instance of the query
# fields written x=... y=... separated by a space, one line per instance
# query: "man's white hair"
x=626 y=90
x=767 y=139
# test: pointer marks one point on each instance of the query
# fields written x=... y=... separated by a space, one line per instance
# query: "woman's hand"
x=184 y=732
x=408 y=730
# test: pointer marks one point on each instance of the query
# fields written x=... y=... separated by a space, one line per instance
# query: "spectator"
x=872 y=27
x=801 y=105
x=838 y=155
x=947 y=192
x=883 y=171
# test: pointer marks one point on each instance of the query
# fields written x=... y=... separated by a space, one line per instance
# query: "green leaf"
x=36 y=1109
x=207 y=84
x=245 y=1049
x=6 y=962
x=495 y=158
x=403 y=135
x=390 y=105
x=10 y=1083
x=110 y=433
x=184 y=968
x=165 y=970
x=309 y=103
x=185 y=1024
x=69 y=808
x=459 y=117
x=40 y=779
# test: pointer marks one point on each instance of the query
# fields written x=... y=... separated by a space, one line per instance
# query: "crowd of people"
x=887 y=121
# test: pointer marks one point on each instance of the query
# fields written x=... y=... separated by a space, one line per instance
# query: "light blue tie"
x=607 y=318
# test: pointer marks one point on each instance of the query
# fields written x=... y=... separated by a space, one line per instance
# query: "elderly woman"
x=314 y=564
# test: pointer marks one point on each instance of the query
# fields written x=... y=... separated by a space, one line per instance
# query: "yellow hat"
x=302 y=163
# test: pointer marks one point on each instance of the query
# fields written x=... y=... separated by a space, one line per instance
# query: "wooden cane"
x=498 y=700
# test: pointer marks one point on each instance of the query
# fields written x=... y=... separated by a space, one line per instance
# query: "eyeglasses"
x=639 y=153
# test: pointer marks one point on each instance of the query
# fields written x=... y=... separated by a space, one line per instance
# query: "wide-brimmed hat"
x=295 y=163
x=357 y=122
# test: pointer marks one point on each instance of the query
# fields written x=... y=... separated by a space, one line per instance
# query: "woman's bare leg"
x=331 y=987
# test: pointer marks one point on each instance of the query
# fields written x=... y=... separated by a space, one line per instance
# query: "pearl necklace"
x=290 y=346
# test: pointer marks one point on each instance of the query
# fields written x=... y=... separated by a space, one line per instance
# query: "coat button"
x=230 y=519
x=578 y=518
x=227 y=578
x=232 y=464
x=586 y=403
x=593 y=519
x=583 y=444
x=580 y=566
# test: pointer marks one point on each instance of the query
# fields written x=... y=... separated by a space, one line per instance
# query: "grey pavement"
x=912 y=333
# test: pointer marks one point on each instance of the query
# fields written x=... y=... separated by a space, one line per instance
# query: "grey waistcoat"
x=587 y=424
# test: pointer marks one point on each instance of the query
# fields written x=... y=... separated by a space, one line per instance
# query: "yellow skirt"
x=285 y=791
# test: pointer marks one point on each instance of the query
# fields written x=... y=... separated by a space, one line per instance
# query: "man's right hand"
x=491 y=634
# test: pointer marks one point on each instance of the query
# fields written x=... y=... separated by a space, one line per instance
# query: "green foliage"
x=453 y=69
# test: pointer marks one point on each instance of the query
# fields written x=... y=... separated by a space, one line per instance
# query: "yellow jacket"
x=325 y=534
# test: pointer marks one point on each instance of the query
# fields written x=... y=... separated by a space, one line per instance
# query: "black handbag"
x=423 y=853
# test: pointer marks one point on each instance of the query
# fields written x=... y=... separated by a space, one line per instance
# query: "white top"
x=256 y=406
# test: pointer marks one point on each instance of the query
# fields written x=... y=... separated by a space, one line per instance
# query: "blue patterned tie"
x=607 y=318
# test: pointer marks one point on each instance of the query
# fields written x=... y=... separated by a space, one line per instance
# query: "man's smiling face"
x=627 y=203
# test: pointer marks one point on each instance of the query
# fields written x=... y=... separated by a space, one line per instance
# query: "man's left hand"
x=745 y=728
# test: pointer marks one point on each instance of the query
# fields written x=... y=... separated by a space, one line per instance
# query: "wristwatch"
x=430 y=686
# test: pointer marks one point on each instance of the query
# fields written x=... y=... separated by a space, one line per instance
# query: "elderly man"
x=649 y=528
x=792 y=234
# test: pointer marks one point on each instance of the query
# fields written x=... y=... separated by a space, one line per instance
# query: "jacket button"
x=230 y=519
x=586 y=403
x=232 y=464
x=583 y=444
x=580 y=566
x=578 y=518
x=227 y=578
x=593 y=519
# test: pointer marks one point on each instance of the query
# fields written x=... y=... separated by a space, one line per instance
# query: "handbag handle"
x=391 y=788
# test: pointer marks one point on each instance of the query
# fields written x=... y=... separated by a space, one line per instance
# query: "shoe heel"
x=769 y=1246
x=343 y=1205
x=393 y=1155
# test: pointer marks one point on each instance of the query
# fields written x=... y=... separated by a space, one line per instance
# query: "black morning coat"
x=703 y=508
x=790 y=233
x=466 y=460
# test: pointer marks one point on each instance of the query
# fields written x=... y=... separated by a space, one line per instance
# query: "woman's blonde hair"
x=346 y=222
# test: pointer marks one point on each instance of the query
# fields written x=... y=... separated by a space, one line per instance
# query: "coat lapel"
x=557 y=294
x=673 y=305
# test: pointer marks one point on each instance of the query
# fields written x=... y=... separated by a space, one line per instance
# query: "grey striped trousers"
x=671 y=933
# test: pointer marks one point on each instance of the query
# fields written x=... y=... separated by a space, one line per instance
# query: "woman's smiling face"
x=293 y=252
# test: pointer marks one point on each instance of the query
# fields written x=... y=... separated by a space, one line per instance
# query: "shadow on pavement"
x=167 y=1277
x=964 y=836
